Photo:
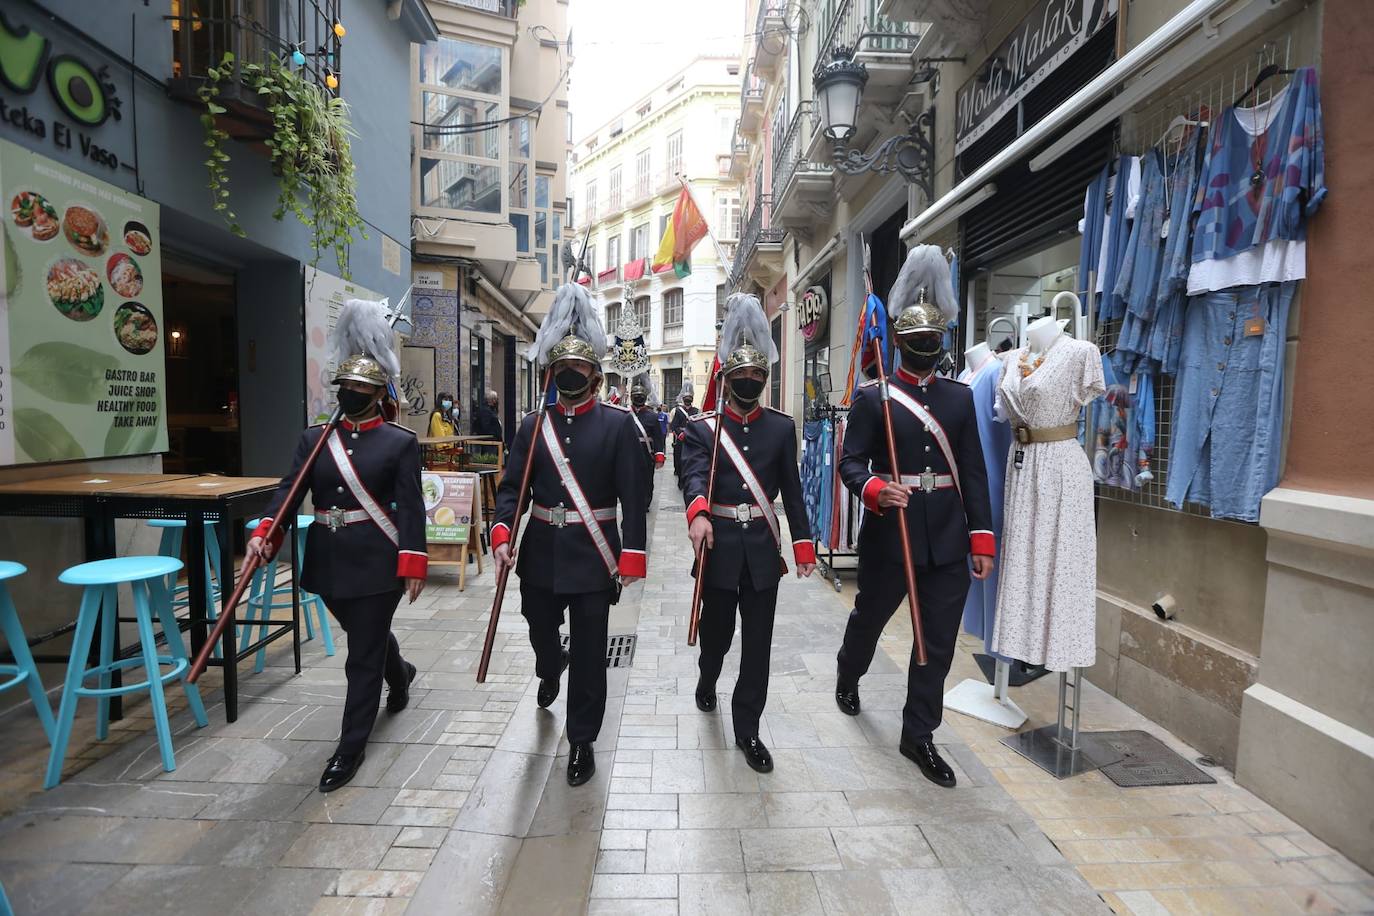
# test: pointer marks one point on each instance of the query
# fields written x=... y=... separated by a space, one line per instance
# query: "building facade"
x=490 y=129
x=627 y=176
x=1254 y=655
x=225 y=332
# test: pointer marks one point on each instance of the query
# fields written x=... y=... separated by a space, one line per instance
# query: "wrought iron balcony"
x=857 y=24
x=758 y=233
x=750 y=103
x=798 y=183
x=772 y=34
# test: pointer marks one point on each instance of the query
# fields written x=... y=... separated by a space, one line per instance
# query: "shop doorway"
x=1023 y=290
x=200 y=314
x=888 y=253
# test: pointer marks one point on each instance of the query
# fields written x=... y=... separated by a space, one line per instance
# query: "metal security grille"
x=1146 y=761
x=620 y=649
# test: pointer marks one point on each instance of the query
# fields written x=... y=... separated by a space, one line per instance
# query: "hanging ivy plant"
x=310 y=155
x=218 y=177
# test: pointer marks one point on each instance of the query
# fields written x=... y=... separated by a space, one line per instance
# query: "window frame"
x=671 y=296
x=673 y=166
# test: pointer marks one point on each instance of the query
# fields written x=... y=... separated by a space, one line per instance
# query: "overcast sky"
x=623 y=48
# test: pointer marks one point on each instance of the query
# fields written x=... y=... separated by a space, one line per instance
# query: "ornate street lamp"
x=839 y=88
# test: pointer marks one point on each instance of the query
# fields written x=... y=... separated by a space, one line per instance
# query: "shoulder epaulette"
x=704 y=415
x=399 y=426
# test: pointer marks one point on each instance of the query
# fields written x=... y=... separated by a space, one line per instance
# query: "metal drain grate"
x=1146 y=761
x=620 y=649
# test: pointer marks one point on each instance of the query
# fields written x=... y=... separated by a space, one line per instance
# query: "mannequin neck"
x=978 y=355
x=1042 y=333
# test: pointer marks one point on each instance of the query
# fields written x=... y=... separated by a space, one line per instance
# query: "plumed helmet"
x=571 y=329
x=923 y=296
x=362 y=344
x=361 y=368
x=745 y=338
x=923 y=316
x=745 y=355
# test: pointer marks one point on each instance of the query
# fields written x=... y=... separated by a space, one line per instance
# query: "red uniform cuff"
x=982 y=544
x=412 y=564
x=633 y=563
x=870 y=494
x=804 y=552
x=697 y=507
x=277 y=537
x=500 y=534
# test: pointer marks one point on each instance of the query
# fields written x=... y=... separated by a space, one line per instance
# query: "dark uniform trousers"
x=373 y=656
x=941 y=591
x=589 y=614
x=717 y=630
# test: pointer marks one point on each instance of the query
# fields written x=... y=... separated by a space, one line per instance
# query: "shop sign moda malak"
x=1052 y=31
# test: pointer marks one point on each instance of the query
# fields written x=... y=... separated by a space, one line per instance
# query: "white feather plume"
x=688 y=390
x=925 y=267
x=363 y=328
x=571 y=311
x=745 y=322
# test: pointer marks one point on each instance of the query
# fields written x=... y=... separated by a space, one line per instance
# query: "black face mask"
x=746 y=390
x=919 y=362
x=354 y=403
x=571 y=383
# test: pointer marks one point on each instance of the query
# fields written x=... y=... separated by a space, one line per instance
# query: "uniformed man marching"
x=367 y=545
x=943 y=486
x=587 y=458
x=677 y=426
x=640 y=403
x=757 y=460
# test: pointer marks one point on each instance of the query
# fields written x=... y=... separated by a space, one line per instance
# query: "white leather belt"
x=925 y=482
x=561 y=516
x=742 y=513
x=341 y=518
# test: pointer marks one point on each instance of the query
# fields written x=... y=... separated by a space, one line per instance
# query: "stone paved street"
x=462 y=805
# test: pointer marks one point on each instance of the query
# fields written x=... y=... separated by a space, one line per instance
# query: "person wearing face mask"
x=366 y=548
x=737 y=523
x=943 y=487
x=677 y=426
x=587 y=459
x=442 y=422
x=650 y=432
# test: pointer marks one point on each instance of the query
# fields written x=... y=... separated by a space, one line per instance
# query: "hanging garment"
x=815 y=485
x=1228 y=404
x=1046 y=596
x=1093 y=227
x=1166 y=333
x=980 y=608
x=1123 y=428
x=1263 y=177
x=1125 y=199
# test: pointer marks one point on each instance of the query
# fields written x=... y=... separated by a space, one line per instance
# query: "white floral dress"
x=1046 y=595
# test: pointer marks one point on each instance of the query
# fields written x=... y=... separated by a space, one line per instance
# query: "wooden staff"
x=908 y=567
x=504 y=574
x=695 y=620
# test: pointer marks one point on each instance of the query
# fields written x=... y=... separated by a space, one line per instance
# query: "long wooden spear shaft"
x=908 y=567
x=694 y=621
x=252 y=562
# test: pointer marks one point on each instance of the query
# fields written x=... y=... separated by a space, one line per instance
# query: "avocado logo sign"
x=82 y=92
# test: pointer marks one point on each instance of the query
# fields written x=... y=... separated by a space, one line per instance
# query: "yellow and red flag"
x=684 y=230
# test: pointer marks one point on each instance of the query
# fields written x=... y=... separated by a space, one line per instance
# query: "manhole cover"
x=1146 y=761
x=620 y=649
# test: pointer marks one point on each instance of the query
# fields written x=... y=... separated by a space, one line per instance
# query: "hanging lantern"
x=339 y=30
x=331 y=80
x=298 y=58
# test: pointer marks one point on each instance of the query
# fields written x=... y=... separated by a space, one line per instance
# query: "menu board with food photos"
x=450 y=506
x=82 y=373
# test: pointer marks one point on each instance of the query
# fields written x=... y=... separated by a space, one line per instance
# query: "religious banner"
x=629 y=351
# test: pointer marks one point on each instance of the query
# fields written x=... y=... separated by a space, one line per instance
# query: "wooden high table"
x=101 y=498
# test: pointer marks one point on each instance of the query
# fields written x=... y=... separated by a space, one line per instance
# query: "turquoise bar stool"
x=261 y=605
x=173 y=530
x=23 y=671
x=147 y=579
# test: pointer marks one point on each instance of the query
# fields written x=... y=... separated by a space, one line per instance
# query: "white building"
x=626 y=177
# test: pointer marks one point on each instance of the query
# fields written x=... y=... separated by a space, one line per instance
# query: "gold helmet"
x=575 y=348
x=361 y=368
x=923 y=317
x=745 y=355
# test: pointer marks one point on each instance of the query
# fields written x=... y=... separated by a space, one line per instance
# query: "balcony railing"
x=755 y=233
x=858 y=25
x=499 y=7
x=790 y=153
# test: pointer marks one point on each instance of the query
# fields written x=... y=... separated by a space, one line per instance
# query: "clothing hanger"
x=1265 y=73
x=1180 y=121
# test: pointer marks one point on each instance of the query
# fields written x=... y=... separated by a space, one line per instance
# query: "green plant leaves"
x=64 y=372
x=43 y=437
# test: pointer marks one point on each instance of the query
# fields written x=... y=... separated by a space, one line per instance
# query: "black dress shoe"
x=398 y=698
x=706 y=697
x=340 y=769
x=755 y=754
x=932 y=765
x=548 y=687
x=847 y=698
x=581 y=764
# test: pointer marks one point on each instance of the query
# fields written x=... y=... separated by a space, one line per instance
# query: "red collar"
x=734 y=415
x=363 y=426
x=577 y=409
x=914 y=379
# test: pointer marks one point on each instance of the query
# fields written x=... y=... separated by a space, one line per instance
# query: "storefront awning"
x=1206 y=24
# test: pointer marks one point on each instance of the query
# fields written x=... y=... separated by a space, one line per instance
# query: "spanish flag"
x=684 y=230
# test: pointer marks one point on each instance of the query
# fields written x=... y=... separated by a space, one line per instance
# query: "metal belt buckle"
x=337 y=519
x=742 y=513
x=558 y=516
x=1023 y=434
x=928 y=481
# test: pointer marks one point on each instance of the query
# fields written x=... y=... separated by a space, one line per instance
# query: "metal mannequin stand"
x=988 y=702
x=1062 y=749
